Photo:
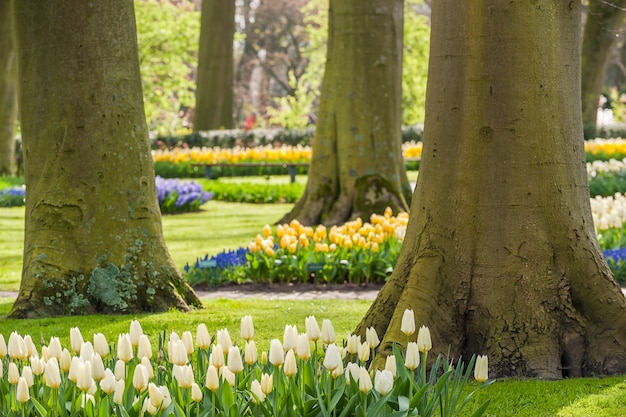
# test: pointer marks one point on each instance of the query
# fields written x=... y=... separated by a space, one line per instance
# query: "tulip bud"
x=148 y=407
x=267 y=383
x=352 y=372
x=155 y=395
x=312 y=329
x=37 y=365
x=390 y=365
x=338 y=371
x=277 y=354
x=365 y=382
x=383 y=382
x=120 y=370
x=167 y=398
x=303 y=347
x=17 y=348
x=124 y=348
x=250 y=352
x=140 y=378
x=234 y=360
x=255 y=388
x=212 y=381
x=481 y=369
x=13 y=375
x=84 y=381
x=179 y=353
x=196 y=393
x=223 y=339
x=371 y=337
x=412 y=359
x=86 y=397
x=97 y=367
x=203 y=339
x=328 y=332
x=76 y=339
x=174 y=337
x=3 y=347
x=424 y=343
x=66 y=360
x=100 y=345
x=148 y=365
x=187 y=339
x=51 y=374
x=408 y=322
x=54 y=348
x=135 y=332
x=332 y=358
x=353 y=344
x=264 y=358
x=290 y=337
x=86 y=351
x=185 y=378
x=31 y=349
x=217 y=356
x=364 y=352
x=27 y=374
x=228 y=375
x=144 y=350
x=118 y=396
x=45 y=353
x=247 y=328
x=290 y=368
x=107 y=384
x=22 y=394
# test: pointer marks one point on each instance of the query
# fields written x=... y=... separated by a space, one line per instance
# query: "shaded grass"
x=218 y=226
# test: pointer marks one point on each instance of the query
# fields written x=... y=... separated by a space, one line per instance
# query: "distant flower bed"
x=605 y=149
x=13 y=196
x=356 y=252
x=177 y=196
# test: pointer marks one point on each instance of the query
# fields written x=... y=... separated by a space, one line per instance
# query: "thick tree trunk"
x=605 y=21
x=214 y=92
x=357 y=167
x=93 y=237
x=500 y=255
x=8 y=91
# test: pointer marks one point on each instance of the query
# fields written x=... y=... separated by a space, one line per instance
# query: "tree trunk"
x=500 y=255
x=214 y=92
x=604 y=23
x=8 y=90
x=357 y=167
x=93 y=238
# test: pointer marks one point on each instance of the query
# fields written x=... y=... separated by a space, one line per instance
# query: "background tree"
x=214 y=91
x=168 y=52
x=93 y=237
x=605 y=20
x=500 y=255
x=8 y=91
x=357 y=166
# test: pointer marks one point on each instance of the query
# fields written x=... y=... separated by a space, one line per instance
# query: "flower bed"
x=356 y=252
x=13 y=196
x=177 y=196
x=307 y=373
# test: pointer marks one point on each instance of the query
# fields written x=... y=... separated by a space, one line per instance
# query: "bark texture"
x=500 y=255
x=357 y=167
x=605 y=21
x=93 y=237
x=8 y=90
x=214 y=91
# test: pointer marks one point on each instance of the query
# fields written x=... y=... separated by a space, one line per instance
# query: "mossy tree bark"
x=500 y=255
x=8 y=90
x=214 y=91
x=93 y=237
x=357 y=167
x=605 y=20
